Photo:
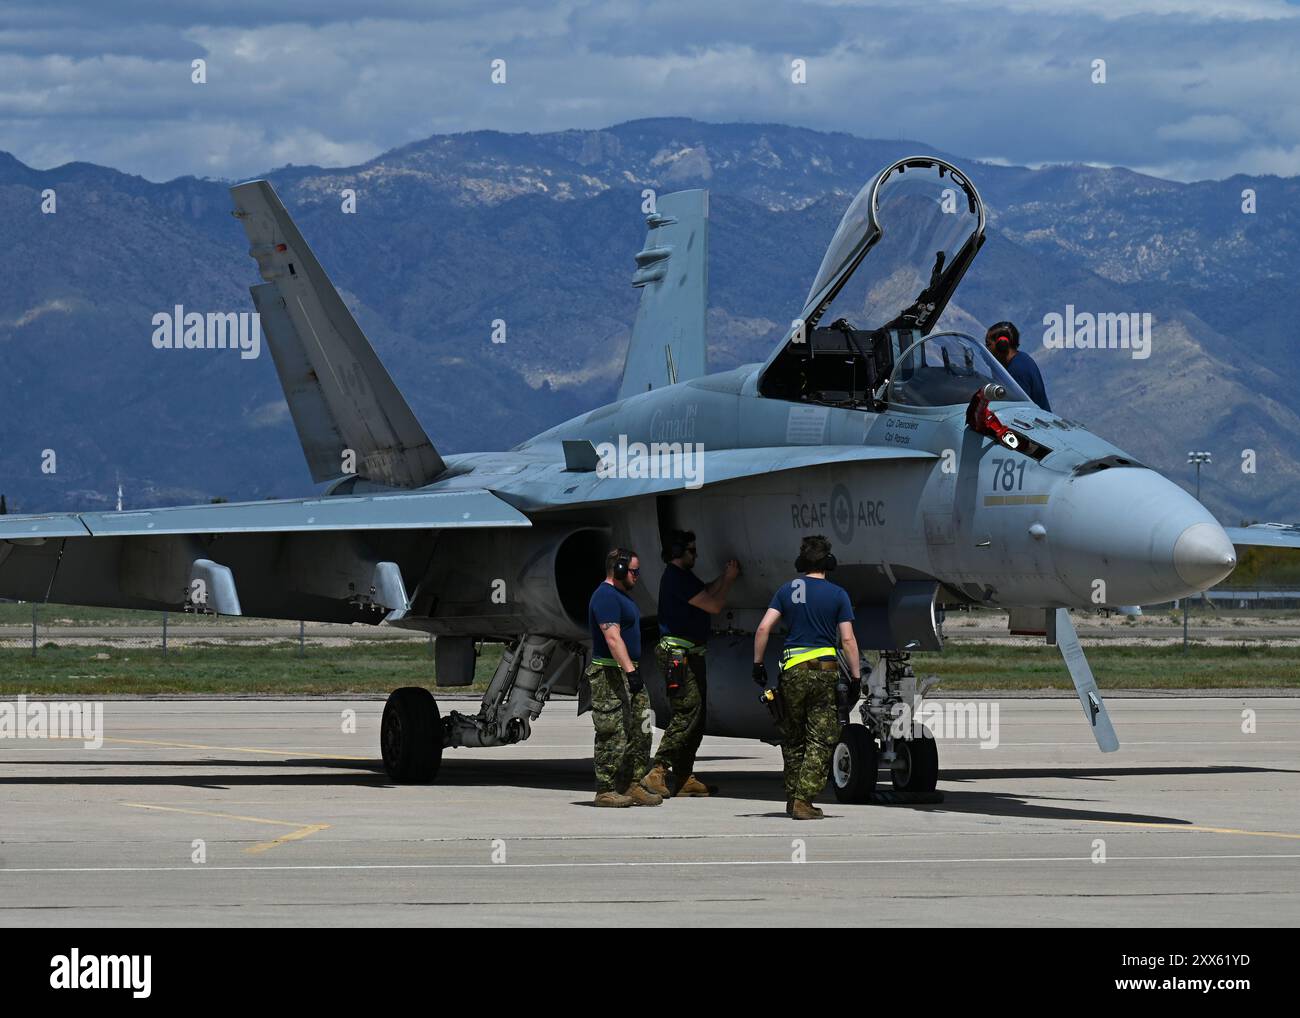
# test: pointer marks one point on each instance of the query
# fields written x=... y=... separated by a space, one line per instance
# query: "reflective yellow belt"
x=604 y=662
x=798 y=655
x=678 y=643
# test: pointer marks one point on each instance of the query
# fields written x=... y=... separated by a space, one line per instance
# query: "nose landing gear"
x=912 y=756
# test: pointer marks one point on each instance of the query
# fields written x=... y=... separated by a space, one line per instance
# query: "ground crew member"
x=1003 y=342
x=620 y=708
x=817 y=612
x=685 y=604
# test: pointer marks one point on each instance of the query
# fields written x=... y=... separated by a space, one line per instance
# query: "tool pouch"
x=675 y=680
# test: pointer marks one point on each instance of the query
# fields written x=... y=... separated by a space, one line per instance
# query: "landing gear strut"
x=413 y=733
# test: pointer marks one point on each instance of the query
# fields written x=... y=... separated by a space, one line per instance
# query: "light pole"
x=1198 y=458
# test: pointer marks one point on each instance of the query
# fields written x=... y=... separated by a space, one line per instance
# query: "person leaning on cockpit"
x=1003 y=342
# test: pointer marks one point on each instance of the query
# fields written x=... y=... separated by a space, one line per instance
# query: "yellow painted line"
x=240 y=749
x=300 y=830
x=1194 y=827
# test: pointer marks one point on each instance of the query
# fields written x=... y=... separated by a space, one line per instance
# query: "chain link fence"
x=35 y=627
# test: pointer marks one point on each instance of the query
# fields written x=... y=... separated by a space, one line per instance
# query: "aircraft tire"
x=410 y=736
x=853 y=765
x=918 y=772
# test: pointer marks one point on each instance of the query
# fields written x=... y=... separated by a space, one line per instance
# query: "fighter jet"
x=908 y=445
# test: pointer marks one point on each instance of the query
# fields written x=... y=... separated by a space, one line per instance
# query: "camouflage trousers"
x=682 y=737
x=810 y=730
x=623 y=725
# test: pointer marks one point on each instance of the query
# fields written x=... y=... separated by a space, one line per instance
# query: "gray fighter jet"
x=938 y=481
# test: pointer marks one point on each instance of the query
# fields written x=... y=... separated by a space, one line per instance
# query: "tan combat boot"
x=639 y=795
x=656 y=780
x=801 y=810
x=694 y=786
x=612 y=799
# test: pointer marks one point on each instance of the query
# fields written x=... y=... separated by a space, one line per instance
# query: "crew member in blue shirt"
x=818 y=614
x=620 y=708
x=685 y=604
x=1003 y=342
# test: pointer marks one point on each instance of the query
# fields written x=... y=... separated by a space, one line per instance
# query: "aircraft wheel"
x=853 y=765
x=917 y=767
x=410 y=736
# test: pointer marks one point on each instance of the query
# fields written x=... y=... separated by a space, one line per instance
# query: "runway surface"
x=1199 y=823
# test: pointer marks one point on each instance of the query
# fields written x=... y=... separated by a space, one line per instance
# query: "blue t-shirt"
x=814 y=616
x=1025 y=371
x=609 y=604
x=677 y=616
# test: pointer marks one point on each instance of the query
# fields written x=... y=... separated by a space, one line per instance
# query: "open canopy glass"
x=920 y=220
x=893 y=263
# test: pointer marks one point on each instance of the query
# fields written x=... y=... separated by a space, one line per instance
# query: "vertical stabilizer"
x=341 y=397
x=668 y=338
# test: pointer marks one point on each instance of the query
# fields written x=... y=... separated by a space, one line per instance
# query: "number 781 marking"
x=1008 y=474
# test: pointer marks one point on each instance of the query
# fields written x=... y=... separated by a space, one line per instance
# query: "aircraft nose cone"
x=1203 y=555
x=1127 y=535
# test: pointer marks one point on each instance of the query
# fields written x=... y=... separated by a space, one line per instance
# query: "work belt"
x=605 y=662
x=811 y=657
x=677 y=643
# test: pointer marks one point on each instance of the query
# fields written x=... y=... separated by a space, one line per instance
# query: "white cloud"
x=268 y=414
x=1197 y=84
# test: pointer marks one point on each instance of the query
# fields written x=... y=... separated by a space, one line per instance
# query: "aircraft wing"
x=721 y=465
x=407 y=511
x=336 y=559
x=1265 y=535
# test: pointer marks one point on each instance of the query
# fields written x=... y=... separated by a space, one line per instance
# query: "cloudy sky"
x=1194 y=88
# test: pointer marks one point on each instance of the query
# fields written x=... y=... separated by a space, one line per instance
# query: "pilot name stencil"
x=901 y=432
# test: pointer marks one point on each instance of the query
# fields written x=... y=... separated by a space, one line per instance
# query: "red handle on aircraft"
x=981 y=419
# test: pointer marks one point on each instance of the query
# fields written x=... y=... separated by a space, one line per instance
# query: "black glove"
x=760 y=674
x=634 y=681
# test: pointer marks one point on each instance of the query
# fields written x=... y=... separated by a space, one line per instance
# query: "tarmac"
x=276 y=812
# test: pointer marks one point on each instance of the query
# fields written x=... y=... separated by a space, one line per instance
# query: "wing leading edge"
x=404 y=511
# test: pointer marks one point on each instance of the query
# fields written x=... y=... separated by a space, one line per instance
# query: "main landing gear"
x=414 y=733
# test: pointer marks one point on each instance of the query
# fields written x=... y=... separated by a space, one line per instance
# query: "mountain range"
x=455 y=232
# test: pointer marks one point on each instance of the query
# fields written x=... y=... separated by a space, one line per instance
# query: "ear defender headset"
x=825 y=563
x=622 y=564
